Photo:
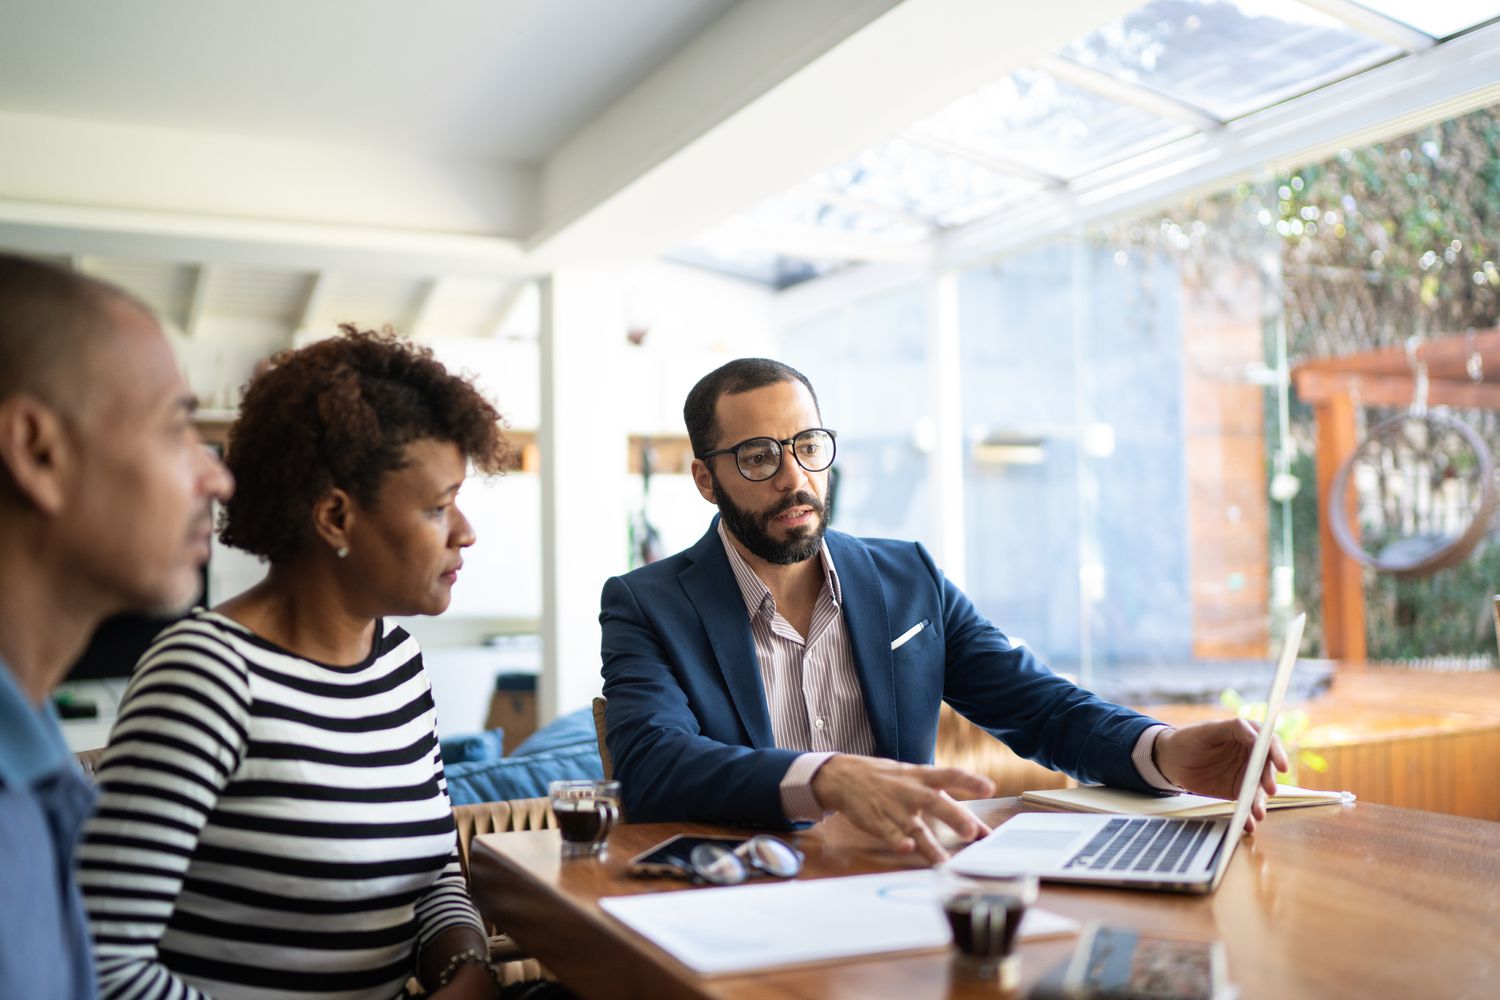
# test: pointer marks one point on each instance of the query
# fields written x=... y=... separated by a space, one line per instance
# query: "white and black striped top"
x=270 y=826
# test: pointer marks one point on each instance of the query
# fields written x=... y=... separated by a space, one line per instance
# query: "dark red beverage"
x=583 y=821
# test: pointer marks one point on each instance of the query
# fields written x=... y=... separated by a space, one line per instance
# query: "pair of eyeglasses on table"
x=719 y=860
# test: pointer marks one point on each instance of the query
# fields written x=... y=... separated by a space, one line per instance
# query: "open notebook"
x=1102 y=799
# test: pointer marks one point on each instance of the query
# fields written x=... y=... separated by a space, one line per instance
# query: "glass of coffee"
x=985 y=920
x=586 y=810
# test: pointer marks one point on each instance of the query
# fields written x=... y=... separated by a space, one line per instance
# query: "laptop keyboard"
x=1143 y=845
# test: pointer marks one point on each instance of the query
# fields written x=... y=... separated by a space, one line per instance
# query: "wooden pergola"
x=1334 y=387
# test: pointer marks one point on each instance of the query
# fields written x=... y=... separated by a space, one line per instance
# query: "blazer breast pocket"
x=910 y=634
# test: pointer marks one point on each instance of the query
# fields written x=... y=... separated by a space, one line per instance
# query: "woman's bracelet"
x=466 y=957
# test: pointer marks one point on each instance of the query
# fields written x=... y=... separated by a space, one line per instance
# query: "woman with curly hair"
x=273 y=818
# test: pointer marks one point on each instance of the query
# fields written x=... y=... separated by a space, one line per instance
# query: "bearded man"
x=778 y=671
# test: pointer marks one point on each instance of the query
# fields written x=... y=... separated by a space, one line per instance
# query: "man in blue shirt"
x=105 y=507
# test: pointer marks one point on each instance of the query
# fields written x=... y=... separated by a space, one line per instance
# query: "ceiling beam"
x=419 y=314
x=509 y=299
x=1124 y=92
x=1374 y=24
x=109 y=232
x=979 y=158
x=67 y=161
x=312 y=299
x=769 y=95
x=192 y=319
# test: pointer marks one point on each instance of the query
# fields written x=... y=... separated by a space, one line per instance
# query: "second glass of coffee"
x=586 y=810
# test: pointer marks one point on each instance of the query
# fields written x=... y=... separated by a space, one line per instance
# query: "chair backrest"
x=88 y=761
x=499 y=817
x=599 y=730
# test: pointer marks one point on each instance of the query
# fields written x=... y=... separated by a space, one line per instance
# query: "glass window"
x=1437 y=19
x=1036 y=120
x=1076 y=481
x=923 y=184
x=869 y=362
x=1228 y=57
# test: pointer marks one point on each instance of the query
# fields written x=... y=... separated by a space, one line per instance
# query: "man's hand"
x=897 y=802
x=1209 y=758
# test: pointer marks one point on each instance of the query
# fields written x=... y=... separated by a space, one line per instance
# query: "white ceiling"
x=262 y=170
x=506 y=80
x=453 y=137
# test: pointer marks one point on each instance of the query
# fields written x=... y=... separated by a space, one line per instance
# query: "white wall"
x=694 y=320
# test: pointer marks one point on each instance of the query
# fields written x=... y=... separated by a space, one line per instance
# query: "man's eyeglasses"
x=719 y=865
x=759 y=458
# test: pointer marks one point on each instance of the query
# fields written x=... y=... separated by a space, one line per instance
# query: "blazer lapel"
x=710 y=585
x=869 y=635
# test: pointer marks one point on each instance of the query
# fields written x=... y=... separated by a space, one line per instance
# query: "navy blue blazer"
x=688 y=725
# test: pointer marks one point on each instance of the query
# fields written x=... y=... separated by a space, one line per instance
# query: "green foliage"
x=1447 y=613
x=1407 y=232
x=1306 y=568
x=1359 y=252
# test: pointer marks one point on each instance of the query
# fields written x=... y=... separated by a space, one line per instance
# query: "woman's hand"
x=471 y=981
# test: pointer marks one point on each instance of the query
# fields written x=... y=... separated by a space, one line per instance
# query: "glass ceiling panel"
x=810 y=206
x=920 y=184
x=766 y=267
x=1439 y=18
x=1229 y=57
x=1032 y=118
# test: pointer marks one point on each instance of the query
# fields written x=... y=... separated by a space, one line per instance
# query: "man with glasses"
x=777 y=671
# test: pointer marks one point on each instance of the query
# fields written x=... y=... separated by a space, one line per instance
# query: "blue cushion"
x=488 y=745
x=564 y=731
x=521 y=777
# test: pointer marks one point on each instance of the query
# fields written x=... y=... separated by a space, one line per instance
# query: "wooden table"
x=1358 y=900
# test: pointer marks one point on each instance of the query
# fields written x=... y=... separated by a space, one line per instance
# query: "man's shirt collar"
x=31 y=742
x=758 y=599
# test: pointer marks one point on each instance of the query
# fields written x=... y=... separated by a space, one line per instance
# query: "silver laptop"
x=1137 y=852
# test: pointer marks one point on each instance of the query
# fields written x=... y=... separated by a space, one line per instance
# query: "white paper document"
x=744 y=927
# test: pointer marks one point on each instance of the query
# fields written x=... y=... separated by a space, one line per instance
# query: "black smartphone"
x=671 y=858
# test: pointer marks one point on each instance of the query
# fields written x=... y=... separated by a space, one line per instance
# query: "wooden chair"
x=88 y=761
x=599 y=730
x=502 y=817
x=960 y=743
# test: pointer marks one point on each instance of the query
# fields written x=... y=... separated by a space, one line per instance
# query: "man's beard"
x=753 y=529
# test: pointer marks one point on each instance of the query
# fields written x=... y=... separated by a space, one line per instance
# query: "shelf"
x=670 y=454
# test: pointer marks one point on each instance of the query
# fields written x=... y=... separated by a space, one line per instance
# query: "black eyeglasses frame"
x=782 y=444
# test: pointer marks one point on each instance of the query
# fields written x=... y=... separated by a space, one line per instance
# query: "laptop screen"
x=1262 y=749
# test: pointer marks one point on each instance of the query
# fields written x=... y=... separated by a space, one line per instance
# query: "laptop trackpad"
x=1028 y=846
x=1048 y=842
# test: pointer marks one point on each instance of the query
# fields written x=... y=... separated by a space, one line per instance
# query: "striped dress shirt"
x=812 y=689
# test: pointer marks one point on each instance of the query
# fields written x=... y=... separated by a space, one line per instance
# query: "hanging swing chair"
x=1423 y=488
